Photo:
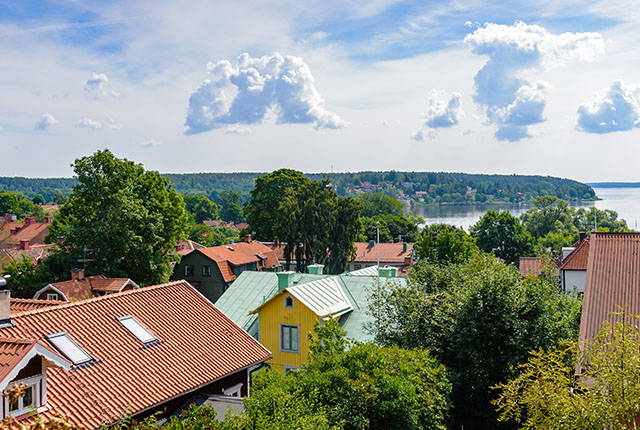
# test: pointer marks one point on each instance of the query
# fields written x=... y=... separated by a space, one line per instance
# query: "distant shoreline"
x=614 y=184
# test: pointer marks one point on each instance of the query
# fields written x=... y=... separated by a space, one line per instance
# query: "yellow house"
x=286 y=319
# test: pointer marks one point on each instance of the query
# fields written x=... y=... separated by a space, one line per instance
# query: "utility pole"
x=378 y=246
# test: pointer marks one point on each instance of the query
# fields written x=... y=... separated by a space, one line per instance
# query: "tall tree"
x=129 y=219
x=230 y=204
x=504 y=235
x=201 y=208
x=375 y=204
x=548 y=214
x=26 y=277
x=445 y=243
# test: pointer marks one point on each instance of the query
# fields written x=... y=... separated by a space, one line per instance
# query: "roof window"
x=63 y=343
x=136 y=329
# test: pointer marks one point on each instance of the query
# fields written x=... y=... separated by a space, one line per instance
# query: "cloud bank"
x=440 y=114
x=246 y=92
x=510 y=100
x=615 y=109
x=97 y=86
x=46 y=122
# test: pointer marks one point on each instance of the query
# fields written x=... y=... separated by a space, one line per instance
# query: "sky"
x=477 y=86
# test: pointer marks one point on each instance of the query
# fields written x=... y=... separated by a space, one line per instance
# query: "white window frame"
x=35 y=384
x=293 y=302
x=63 y=334
x=52 y=296
x=130 y=317
x=282 y=349
x=234 y=390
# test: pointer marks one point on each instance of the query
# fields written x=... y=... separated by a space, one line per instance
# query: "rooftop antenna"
x=84 y=258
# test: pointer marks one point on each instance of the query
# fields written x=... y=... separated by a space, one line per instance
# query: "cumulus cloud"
x=151 y=143
x=502 y=88
x=88 y=123
x=246 y=92
x=234 y=129
x=440 y=114
x=46 y=122
x=615 y=109
x=97 y=86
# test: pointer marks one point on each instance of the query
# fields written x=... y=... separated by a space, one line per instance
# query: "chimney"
x=372 y=243
x=276 y=242
x=285 y=280
x=404 y=247
x=247 y=238
x=24 y=244
x=10 y=217
x=77 y=274
x=29 y=220
x=583 y=236
x=315 y=269
x=5 y=296
x=48 y=219
x=408 y=261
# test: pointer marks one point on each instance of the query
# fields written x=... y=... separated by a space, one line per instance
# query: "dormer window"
x=63 y=343
x=136 y=329
x=288 y=302
x=31 y=399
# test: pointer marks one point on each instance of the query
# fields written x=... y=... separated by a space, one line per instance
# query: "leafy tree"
x=230 y=203
x=342 y=234
x=445 y=243
x=376 y=204
x=369 y=230
x=20 y=206
x=547 y=394
x=59 y=198
x=588 y=219
x=209 y=236
x=502 y=234
x=129 y=218
x=38 y=200
x=26 y=277
x=557 y=240
x=480 y=319
x=261 y=212
x=548 y=214
x=201 y=208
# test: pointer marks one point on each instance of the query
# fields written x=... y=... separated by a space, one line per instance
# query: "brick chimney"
x=77 y=274
x=408 y=261
x=247 y=238
x=10 y=217
x=29 y=220
x=48 y=219
x=24 y=244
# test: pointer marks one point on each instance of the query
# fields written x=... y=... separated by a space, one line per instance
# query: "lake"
x=625 y=201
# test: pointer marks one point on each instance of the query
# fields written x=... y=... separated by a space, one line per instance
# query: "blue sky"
x=197 y=86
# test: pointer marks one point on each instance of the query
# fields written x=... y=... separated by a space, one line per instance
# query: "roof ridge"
x=101 y=298
x=575 y=252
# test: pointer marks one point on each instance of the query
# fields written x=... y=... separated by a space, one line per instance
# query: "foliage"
x=502 y=234
x=377 y=204
x=547 y=394
x=548 y=214
x=230 y=203
x=209 y=236
x=480 y=319
x=445 y=243
x=130 y=219
x=556 y=240
x=20 y=206
x=26 y=277
x=201 y=208
x=588 y=219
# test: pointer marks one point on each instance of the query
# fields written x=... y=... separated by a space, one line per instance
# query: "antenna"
x=84 y=260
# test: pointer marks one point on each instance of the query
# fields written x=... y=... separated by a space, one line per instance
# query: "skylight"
x=136 y=329
x=63 y=343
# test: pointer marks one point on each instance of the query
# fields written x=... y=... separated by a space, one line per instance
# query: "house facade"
x=80 y=287
x=399 y=254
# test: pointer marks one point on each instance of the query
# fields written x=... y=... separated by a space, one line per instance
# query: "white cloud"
x=503 y=89
x=440 y=114
x=97 y=86
x=234 y=129
x=113 y=125
x=88 y=123
x=615 y=109
x=245 y=92
x=46 y=122
x=151 y=143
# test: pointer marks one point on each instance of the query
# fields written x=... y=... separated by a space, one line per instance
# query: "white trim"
x=43 y=289
x=36 y=350
x=234 y=390
x=293 y=302
x=53 y=296
x=127 y=282
x=34 y=383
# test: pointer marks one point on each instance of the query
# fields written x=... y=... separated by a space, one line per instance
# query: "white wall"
x=571 y=278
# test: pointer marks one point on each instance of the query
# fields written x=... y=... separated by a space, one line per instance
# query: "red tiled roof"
x=36 y=252
x=530 y=266
x=578 y=259
x=186 y=246
x=238 y=254
x=612 y=281
x=17 y=306
x=389 y=253
x=11 y=351
x=87 y=287
x=34 y=233
x=198 y=345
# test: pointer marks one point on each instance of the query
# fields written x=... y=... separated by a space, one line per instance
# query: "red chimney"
x=24 y=244
x=48 y=219
x=77 y=274
x=29 y=220
x=408 y=260
x=247 y=238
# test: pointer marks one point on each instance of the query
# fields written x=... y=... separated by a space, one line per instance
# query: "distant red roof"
x=17 y=306
x=578 y=259
x=197 y=345
x=11 y=233
x=36 y=252
x=530 y=266
x=186 y=246
x=390 y=253
x=612 y=280
x=91 y=286
x=238 y=254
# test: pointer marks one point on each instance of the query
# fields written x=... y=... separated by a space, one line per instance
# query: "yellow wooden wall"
x=271 y=316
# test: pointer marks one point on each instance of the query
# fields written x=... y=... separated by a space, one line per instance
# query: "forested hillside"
x=427 y=187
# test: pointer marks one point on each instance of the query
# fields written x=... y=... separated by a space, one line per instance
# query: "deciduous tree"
x=504 y=235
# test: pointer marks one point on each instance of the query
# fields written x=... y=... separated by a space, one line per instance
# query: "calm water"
x=625 y=201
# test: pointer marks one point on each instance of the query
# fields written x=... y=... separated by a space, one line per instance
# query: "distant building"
x=399 y=255
x=573 y=265
x=19 y=239
x=80 y=287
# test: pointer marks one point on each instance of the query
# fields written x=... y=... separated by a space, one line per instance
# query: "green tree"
x=588 y=219
x=480 y=319
x=502 y=234
x=230 y=204
x=59 y=198
x=547 y=394
x=20 y=206
x=369 y=230
x=376 y=204
x=445 y=243
x=209 y=236
x=26 y=277
x=129 y=219
x=261 y=212
x=548 y=214
x=38 y=200
x=201 y=208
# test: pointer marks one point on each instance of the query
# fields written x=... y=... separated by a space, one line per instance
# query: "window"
x=52 y=296
x=206 y=270
x=31 y=399
x=288 y=302
x=188 y=270
x=63 y=343
x=233 y=391
x=136 y=329
x=289 y=338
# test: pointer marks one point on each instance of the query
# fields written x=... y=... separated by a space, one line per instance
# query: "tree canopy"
x=26 y=277
x=201 y=208
x=502 y=234
x=128 y=218
x=445 y=243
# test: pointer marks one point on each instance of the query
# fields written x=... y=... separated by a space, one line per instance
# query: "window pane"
x=136 y=329
x=27 y=400
x=294 y=338
x=286 y=338
x=68 y=347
